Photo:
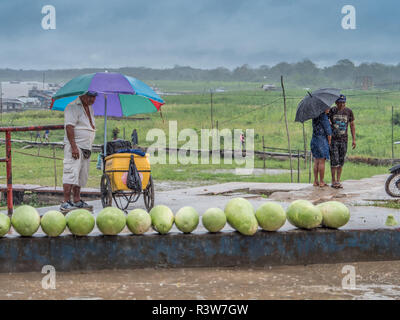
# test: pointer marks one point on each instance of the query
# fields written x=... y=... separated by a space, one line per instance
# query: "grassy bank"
x=251 y=109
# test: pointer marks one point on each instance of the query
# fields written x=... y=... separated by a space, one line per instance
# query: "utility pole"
x=43 y=80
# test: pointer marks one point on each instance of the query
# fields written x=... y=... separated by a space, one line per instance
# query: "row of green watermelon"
x=239 y=213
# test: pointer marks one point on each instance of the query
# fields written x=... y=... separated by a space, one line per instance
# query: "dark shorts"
x=338 y=152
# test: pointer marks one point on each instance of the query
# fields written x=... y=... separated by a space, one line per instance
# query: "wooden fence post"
x=392 y=132
x=305 y=147
x=298 y=166
x=287 y=129
x=264 y=155
x=55 y=167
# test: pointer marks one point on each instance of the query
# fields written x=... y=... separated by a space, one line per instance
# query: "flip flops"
x=337 y=185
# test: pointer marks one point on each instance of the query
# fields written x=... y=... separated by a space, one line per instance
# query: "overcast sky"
x=199 y=33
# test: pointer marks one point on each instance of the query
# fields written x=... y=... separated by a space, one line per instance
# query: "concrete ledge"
x=225 y=249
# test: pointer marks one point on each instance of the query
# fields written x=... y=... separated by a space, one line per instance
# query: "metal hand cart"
x=113 y=181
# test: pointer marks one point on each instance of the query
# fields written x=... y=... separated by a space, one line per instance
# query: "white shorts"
x=76 y=171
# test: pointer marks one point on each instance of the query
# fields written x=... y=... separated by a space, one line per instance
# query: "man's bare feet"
x=316 y=184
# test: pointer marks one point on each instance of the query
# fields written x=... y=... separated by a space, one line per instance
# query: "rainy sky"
x=201 y=33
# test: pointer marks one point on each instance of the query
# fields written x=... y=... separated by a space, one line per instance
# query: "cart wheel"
x=106 y=191
x=148 y=195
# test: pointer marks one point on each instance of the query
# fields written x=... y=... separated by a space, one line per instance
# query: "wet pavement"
x=373 y=280
x=354 y=192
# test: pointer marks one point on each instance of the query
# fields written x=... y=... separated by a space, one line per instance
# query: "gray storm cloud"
x=202 y=33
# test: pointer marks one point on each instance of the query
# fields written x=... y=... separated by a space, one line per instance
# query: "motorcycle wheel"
x=392 y=185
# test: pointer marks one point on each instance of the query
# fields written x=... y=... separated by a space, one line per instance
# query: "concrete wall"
x=225 y=249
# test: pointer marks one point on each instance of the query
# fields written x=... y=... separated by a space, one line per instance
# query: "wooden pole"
x=1 y=102
x=392 y=132
x=55 y=167
x=211 y=109
x=309 y=169
x=287 y=129
x=263 y=151
x=298 y=166
x=305 y=147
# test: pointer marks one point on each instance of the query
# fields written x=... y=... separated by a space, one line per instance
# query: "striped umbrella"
x=118 y=96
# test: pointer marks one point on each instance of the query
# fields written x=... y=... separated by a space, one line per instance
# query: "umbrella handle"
x=105 y=126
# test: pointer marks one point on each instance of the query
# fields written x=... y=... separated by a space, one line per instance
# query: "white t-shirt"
x=76 y=116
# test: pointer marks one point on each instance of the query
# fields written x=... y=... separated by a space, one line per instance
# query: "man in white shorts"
x=79 y=135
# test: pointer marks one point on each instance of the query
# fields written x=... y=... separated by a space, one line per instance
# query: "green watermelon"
x=80 y=222
x=240 y=215
x=271 y=216
x=138 y=221
x=334 y=214
x=25 y=220
x=5 y=224
x=303 y=214
x=162 y=219
x=111 y=221
x=214 y=219
x=187 y=219
x=53 y=223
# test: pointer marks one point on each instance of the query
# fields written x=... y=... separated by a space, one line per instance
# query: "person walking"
x=134 y=138
x=340 y=117
x=242 y=140
x=38 y=136
x=320 y=141
x=46 y=136
x=79 y=135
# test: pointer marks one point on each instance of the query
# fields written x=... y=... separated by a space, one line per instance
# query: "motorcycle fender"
x=395 y=168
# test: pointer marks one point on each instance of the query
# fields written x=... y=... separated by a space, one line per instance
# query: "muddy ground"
x=374 y=280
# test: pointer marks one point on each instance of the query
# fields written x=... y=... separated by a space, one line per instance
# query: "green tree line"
x=305 y=73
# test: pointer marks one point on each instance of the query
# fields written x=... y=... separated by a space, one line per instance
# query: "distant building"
x=268 y=87
x=44 y=96
x=30 y=102
x=11 y=105
x=38 y=91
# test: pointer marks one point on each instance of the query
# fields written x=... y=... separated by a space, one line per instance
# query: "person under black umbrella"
x=320 y=142
x=316 y=106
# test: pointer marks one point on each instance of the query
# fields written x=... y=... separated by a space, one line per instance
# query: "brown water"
x=374 y=280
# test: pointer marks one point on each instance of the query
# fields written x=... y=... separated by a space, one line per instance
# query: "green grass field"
x=244 y=109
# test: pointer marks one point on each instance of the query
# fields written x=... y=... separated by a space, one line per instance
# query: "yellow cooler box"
x=117 y=167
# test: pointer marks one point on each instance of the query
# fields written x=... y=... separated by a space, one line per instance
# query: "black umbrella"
x=316 y=103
